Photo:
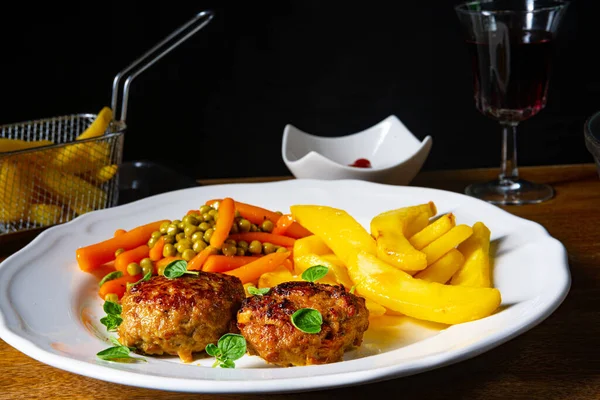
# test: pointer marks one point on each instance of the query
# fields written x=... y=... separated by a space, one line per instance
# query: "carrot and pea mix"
x=223 y=236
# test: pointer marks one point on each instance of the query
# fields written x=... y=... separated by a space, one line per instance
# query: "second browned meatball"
x=180 y=316
x=265 y=322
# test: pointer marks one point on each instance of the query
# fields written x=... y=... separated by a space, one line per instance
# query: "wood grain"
x=558 y=359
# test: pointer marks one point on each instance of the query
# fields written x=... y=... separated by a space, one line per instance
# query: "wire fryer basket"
x=61 y=179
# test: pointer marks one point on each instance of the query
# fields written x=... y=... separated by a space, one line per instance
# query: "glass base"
x=511 y=192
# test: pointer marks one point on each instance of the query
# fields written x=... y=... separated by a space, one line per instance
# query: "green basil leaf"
x=315 y=273
x=111 y=322
x=307 y=320
x=232 y=346
x=212 y=350
x=112 y=308
x=110 y=276
x=227 y=363
x=258 y=292
x=115 y=341
x=176 y=269
x=113 y=353
x=145 y=278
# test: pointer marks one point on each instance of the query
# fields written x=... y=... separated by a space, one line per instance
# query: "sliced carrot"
x=94 y=255
x=131 y=256
x=156 y=252
x=196 y=263
x=224 y=222
x=163 y=262
x=289 y=264
x=119 y=232
x=118 y=286
x=287 y=226
x=256 y=215
x=252 y=271
x=264 y=237
x=219 y=263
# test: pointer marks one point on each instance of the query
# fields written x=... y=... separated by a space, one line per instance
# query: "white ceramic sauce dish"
x=395 y=154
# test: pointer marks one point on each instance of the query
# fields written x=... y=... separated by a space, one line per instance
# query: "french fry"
x=80 y=195
x=475 y=272
x=16 y=189
x=433 y=231
x=436 y=249
x=429 y=301
x=45 y=214
x=310 y=245
x=391 y=229
x=83 y=157
x=336 y=228
x=442 y=270
x=337 y=274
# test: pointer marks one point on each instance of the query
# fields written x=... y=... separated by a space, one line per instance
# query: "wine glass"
x=511 y=44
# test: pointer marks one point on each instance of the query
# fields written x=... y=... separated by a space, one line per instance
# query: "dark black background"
x=217 y=105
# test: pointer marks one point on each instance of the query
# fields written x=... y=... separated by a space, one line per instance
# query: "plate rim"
x=281 y=385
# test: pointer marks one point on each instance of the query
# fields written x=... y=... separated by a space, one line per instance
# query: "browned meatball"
x=265 y=322
x=180 y=316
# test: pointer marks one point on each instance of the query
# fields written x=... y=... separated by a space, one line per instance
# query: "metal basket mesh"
x=53 y=184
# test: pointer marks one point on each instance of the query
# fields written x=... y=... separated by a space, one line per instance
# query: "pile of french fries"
x=41 y=186
x=412 y=261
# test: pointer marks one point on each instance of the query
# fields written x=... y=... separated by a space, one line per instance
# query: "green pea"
x=156 y=234
x=240 y=252
x=242 y=244
x=134 y=269
x=169 y=239
x=172 y=229
x=255 y=247
x=208 y=234
x=164 y=226
x=169 y=250
x=146 y=264
x=266 y=226
x=151 y=242
x=190 y=230
x=111 y=297
x=213 y=213
x=188 y=254
x=244 y=225
x=190 y=220
x=204 y=226
x=230 y=241
x=119 y=251
x=176 y=222
x=268 y=248
x=282 y=250
x=229 y=249
x=197 y=236
x=204 y=209
x=234 y=228
x=207 y=217
x=199 y=245
x=181 y=247
x=146 y=268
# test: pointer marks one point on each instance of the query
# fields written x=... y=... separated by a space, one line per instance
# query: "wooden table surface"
x=558 y=359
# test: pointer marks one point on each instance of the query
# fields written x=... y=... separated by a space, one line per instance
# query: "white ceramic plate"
x=49 y=309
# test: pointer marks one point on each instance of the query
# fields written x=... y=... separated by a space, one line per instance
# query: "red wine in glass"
x=511 y=73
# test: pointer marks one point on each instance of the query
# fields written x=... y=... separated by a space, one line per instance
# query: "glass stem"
x=508 y=169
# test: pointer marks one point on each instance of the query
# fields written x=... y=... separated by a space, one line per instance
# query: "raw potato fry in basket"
x=16 y=190
x=77 y=193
